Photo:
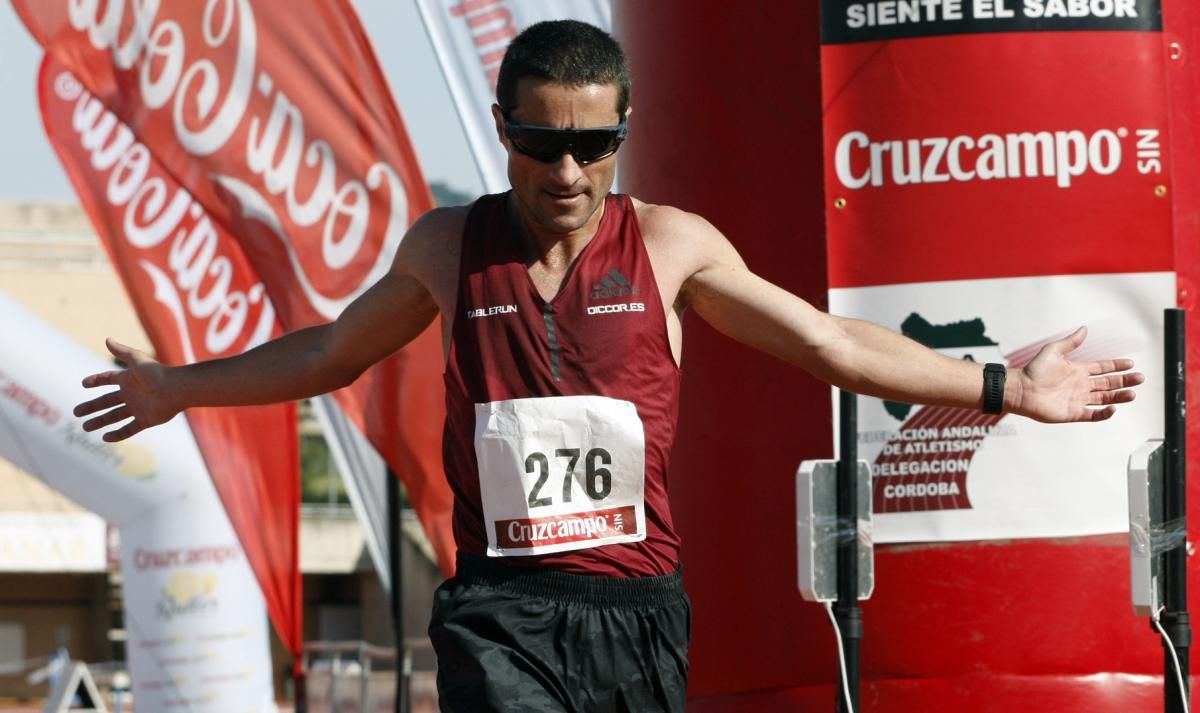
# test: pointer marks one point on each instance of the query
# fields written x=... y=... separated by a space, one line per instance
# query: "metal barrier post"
x=1175 y=620
x=849 y=615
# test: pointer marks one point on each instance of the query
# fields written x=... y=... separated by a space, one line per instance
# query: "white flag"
x=365 y=475
x=469 y=38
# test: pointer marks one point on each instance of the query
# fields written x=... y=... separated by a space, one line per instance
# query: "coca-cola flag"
x=277 y=120
x=198 y=298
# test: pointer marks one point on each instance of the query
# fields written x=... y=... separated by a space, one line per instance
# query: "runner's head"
x=563 y=97
x=567 y=52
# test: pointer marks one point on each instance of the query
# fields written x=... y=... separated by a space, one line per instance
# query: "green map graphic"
x=955 y=335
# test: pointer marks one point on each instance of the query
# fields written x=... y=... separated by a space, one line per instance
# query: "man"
x=562 y=308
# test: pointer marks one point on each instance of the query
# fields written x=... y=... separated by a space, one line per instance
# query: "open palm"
x=1054 y=389
x=140 y=395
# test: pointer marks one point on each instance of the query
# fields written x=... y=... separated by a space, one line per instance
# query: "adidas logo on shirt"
x=613 y=285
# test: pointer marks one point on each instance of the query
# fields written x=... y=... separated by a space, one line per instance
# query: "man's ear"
x=628 y=111
x=498 y=116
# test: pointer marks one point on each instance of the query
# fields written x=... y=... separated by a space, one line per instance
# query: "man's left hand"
x=1053 y=389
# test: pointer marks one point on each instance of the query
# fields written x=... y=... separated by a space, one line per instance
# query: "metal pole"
x=364 y=675
x=335 y=669
x=397 y=599
x=299 y=685
x=1175 y=620
x=849 y=615
x=407 y=673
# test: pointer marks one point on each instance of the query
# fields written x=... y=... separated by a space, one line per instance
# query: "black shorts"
x=510 y=639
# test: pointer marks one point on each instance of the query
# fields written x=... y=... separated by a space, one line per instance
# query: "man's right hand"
x=142 y=394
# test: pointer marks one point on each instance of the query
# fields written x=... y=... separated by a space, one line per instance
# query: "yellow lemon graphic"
x=137 y=463
x=183 y=587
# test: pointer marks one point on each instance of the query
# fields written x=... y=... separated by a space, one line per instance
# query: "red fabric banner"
x=198 y=298
x=991 y=165
x=278 y=121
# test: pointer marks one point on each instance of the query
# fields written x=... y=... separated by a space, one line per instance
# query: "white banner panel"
x=945 y=474
x=53 y=542
x=195 y=615
x=469 y=38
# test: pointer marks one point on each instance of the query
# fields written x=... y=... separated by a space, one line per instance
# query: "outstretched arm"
x=868 y=359
x=297 y=365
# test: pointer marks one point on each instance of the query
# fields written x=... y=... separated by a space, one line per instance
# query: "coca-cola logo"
x=190 y=265
x=339 y=214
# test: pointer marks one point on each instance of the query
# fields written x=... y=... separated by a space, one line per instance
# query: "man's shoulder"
x=436 y=231
x=443 y=221
x=679 y=243
x=667 y=224
x=431 y=246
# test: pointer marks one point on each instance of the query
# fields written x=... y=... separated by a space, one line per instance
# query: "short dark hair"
x=567 y=52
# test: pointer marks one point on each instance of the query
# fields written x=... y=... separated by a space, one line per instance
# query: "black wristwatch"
x=993 y=388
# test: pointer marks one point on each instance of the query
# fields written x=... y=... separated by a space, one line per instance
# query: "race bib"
x=560 y=473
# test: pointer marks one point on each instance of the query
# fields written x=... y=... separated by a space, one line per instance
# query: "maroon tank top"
x=554 y=397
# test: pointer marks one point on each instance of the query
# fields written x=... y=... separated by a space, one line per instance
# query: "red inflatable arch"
x=727 y=123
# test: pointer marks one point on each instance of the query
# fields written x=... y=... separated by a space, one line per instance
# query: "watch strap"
x=994 y=376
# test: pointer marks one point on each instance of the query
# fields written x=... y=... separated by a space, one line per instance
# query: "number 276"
x=597 y=480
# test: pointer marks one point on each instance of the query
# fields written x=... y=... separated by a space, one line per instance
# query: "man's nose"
x=566 y=170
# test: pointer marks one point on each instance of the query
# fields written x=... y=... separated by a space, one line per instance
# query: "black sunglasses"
x=547 y=144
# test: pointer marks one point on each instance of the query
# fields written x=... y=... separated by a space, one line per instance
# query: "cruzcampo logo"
x=965 y=339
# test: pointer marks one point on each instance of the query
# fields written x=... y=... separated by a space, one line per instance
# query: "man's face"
x=561 y=196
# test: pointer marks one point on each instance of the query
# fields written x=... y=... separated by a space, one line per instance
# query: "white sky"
x=29 y=170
